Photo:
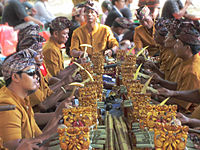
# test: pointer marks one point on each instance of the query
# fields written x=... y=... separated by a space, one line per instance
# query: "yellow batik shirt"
x=142 y=38
x=18 y=123
x=188 y=77
x=100 y=39
x=53 y=58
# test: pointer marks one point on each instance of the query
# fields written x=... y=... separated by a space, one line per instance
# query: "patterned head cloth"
x=60 y=23
x=122 y=22
x=93 y=5
x=17 y=62
x=29 y=30
x=175 y=23
x=142 y=12
x=29 y=37
x=77 y=10
x=188 y=33
x=34 y=42
x=162 y=26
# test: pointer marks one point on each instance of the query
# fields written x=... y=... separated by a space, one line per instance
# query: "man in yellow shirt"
x=47 y=95
x=144 y=33
x=20 y=74
x=99 y=36
x=188 y=76
x=53 y=58
x=169 y=62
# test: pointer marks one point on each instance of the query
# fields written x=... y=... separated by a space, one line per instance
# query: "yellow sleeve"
x=10 y=126
x=164 y=60
x=75 y=42
x=111 y=39
x=51 y=61
x=38 y=132
x=189 y=82
x=137 y=40
x=196 y=113
x=48 y=76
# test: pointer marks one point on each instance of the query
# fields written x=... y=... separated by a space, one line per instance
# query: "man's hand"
x=150 y=65
x=40 y=24
x=165 y=92
x=29 y=144
x=65 y=104
x=182 y=118
x=140 y=59
x=108 y=52
x=156 y=79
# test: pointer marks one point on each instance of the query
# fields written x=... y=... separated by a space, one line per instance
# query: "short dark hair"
x=8 y=82
x=113 y=1
x=107 y=4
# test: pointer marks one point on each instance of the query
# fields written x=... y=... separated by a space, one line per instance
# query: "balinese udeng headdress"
x=188 y=33
x=92 y=5
x=17 y=62
x=60 y=23
x=122 y=22
x=77 y=10
x=162 y=26
x=29 y=38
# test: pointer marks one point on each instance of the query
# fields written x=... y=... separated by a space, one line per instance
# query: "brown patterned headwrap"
x=162 y=26
x=188 y=33
x=60 y=23
x=77 y=10
x=34 y=42
x=17 y=62
x=122 y=22
x=94 y=5
x=29 y=38
x=142 y=12
x=29 y=30
x=174 y=25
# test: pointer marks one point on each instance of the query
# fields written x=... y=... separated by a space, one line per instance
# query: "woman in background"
x=106 y=7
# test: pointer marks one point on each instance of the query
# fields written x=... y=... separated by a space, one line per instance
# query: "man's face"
x=29 y=80
x=62 y=36
x=120 y=4
x=90 y=16
x=147 y=22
